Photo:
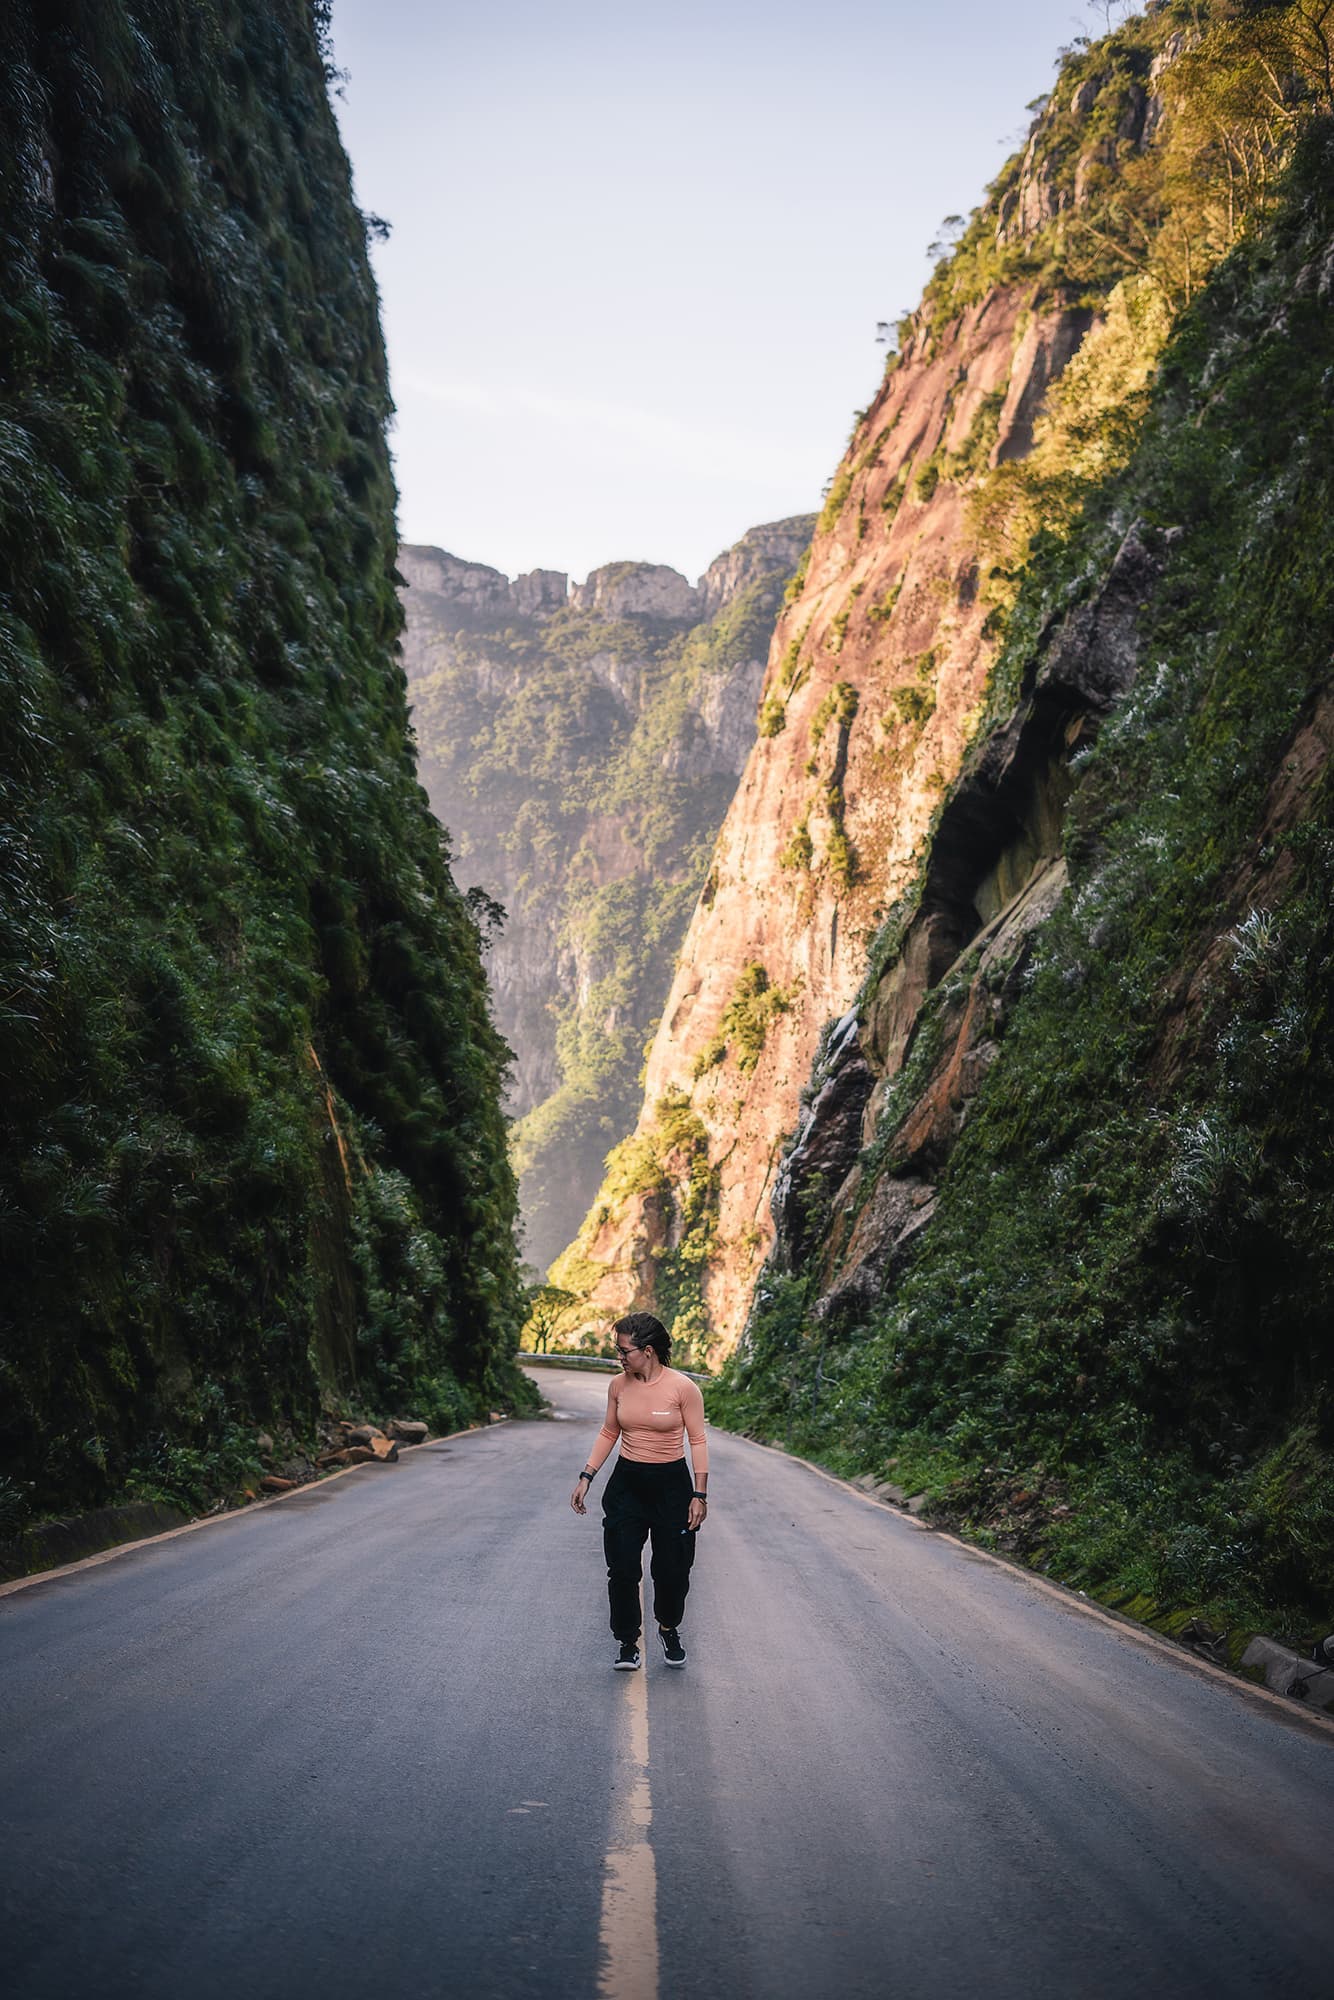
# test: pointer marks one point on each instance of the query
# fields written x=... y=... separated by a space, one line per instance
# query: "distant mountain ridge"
x=616 y=590
x=581 y=744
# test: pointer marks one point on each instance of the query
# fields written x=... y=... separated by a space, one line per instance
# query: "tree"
x=549 y=1309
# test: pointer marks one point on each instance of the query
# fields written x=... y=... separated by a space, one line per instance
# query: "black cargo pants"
x=642 y=1501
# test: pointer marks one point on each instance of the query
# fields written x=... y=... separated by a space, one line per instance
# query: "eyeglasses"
x=624 y=1352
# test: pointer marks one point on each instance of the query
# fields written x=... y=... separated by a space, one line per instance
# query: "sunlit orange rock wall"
x=890 y=608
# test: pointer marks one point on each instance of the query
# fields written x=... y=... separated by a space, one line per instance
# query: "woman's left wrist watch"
x=701 y=1496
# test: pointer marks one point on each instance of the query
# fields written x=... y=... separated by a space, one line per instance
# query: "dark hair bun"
x=646 y=1331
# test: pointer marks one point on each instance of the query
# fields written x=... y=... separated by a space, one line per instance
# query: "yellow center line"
x=628 y=1933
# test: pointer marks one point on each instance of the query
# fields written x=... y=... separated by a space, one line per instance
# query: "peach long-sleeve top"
x=652 y=1420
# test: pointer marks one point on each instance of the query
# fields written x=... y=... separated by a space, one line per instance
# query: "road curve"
x=368 y=1740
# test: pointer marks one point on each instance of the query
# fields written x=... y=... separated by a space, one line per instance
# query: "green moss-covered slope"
x=252 y=1147
x=1107 y=1346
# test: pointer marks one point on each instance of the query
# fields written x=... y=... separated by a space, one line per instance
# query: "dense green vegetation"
x=667 y=1163
x=744 y=1026
x=570 y=757
x=253 y=1153
x=1105 y=204
x=1111 y=1354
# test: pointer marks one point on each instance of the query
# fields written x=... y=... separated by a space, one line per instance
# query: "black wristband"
x=589 y=1476
x=701 y=1496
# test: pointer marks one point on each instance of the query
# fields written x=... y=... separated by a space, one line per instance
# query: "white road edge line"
x=1309 y=1719
x=628 y=1930
x=216 y=1520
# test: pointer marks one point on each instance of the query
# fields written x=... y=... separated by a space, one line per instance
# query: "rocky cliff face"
x=636 y=590
x=462 y=592
x=875 y=677
x=878 y=793
x=581 y=746
x=994 y=873
x=1055 y=1229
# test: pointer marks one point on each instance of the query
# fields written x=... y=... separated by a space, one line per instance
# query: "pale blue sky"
x=638 y=253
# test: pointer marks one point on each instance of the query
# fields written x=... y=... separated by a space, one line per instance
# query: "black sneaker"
x=628 y=1658
x=672 y=1650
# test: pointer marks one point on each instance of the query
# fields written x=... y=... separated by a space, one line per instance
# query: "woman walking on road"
x=651 y=1408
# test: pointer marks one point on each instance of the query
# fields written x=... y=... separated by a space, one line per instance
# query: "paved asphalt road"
x=368 y=1741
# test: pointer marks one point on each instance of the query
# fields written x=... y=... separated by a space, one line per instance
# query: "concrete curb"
x=1287 y=1673
x=67 y=1539
x=1314 y=1721
x=232 y=1513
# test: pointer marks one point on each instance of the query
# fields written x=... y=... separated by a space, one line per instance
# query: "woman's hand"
x=698 y=1510
x=577 y=1497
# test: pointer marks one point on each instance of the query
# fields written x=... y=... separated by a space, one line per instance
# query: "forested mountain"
x=998 y=1051
x=582 y=746
x=253 y=1148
